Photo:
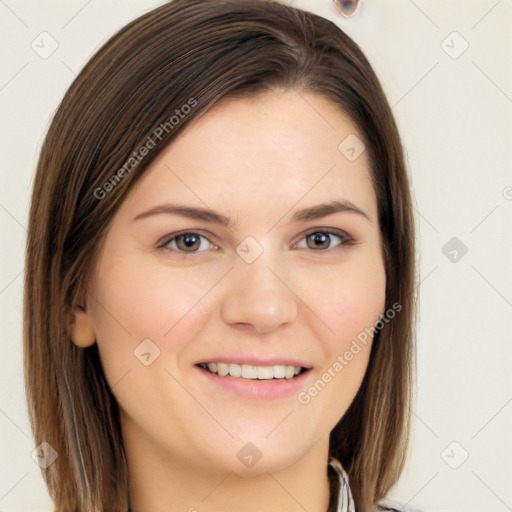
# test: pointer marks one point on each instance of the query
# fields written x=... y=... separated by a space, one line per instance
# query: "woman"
x=219 y=295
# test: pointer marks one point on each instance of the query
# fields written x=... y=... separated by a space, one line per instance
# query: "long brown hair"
x=196 y=53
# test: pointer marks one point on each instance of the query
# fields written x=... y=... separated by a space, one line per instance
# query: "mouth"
x=251 y=372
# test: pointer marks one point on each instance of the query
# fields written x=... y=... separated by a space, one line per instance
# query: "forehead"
x=275 y=149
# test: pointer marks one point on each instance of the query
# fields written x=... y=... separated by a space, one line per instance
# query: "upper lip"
x=256 y=361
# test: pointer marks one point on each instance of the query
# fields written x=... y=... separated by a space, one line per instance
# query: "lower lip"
x=271 y=389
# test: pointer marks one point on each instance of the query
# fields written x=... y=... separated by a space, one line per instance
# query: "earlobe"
x=82 y=331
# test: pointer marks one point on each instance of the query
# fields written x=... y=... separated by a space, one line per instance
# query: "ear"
x=82 y=331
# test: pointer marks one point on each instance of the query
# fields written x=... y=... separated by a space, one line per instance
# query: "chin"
x=249 y=459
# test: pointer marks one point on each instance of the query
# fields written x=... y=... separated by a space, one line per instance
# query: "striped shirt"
x=345 y=500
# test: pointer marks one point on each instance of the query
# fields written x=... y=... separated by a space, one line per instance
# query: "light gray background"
x=453 y=106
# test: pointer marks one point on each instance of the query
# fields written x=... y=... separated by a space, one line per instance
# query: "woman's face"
x=264 y=291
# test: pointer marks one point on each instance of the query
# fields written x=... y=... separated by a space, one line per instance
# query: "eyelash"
x=346 y=240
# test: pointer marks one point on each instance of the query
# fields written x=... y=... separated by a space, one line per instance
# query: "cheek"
x=349 y=303
x=136 y=301
x=350 y=300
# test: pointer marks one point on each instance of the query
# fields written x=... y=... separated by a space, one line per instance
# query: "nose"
x=259 y=296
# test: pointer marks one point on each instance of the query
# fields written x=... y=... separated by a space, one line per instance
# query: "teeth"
x=265 y=372
x=290 y=372
x=222 y=369
x=248 y=371
x=235 y=370
x=279 y=371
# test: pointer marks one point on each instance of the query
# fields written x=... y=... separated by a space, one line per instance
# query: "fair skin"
x=257 y=161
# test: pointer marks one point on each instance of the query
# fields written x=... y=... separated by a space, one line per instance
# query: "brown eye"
x=319 y=240
x=188 y=242
x=322 y=240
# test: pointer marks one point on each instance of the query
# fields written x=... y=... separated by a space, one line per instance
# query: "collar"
x=345 y=500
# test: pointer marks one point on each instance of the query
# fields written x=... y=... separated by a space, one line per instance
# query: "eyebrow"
x=206 y=215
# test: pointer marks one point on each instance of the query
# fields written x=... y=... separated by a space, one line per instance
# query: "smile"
x=250 y=372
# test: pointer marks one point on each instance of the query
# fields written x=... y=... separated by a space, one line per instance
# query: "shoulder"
x=394 y=506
